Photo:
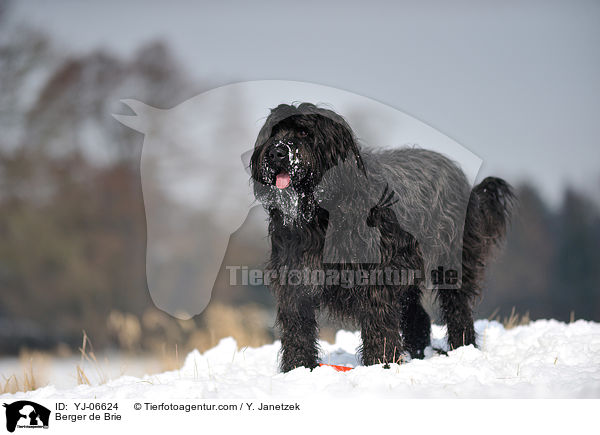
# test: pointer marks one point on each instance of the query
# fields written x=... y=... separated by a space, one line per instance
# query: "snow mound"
x=546 y=358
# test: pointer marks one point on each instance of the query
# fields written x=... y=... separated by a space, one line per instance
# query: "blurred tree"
x=72 y=224
x=522 y=275
x=4 y=4
x=576 y=271
x=27 y=60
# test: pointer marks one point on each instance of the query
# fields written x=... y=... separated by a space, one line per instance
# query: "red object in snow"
x=337 y=368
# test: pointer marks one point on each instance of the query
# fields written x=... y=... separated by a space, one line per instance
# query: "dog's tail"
x=495 y=200
x=490 y=207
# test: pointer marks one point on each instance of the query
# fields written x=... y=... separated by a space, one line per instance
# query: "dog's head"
x=295 y=148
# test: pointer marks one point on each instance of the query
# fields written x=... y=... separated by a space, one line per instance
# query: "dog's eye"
x=302 y=133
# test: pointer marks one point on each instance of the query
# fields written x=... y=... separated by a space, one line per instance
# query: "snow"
x=545 y=358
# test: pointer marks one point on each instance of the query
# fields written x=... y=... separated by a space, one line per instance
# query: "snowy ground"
x=543 y=359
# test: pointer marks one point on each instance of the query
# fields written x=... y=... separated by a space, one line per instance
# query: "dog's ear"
x=336 y=140
x=263 y=135
x=254 y=161
x=265 y=131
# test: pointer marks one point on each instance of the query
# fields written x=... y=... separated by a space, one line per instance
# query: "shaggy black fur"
x=411 y=209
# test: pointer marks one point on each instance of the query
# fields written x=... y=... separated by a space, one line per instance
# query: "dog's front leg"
x=296 y=317
x=381 y=344
x=380 y=329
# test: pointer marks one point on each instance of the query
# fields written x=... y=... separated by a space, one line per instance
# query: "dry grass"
x=169 y=359
x=156 y=334
x=166 y=337
x=33 y=375
x=82 y=378
x=88 y=355
x=513 y=320
x=248 y=324
x=327 y=333
x=126 y=328
x=12 y=384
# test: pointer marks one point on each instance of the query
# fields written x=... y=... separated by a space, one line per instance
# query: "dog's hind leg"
x=486 y=221
x=457 y=313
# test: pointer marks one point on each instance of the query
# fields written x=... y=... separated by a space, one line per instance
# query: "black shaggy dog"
x=361 y=233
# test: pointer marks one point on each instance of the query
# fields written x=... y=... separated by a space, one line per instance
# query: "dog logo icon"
x=197 y=192
x=26 y=414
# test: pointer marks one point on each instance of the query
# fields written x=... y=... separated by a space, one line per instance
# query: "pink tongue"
x=283 y=180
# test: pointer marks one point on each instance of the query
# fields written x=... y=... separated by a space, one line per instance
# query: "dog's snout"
x=278 y=153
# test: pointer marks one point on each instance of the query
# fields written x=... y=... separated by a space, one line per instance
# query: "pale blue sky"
x=517 y=83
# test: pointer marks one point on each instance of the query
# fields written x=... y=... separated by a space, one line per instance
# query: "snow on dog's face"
x=294 y=149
